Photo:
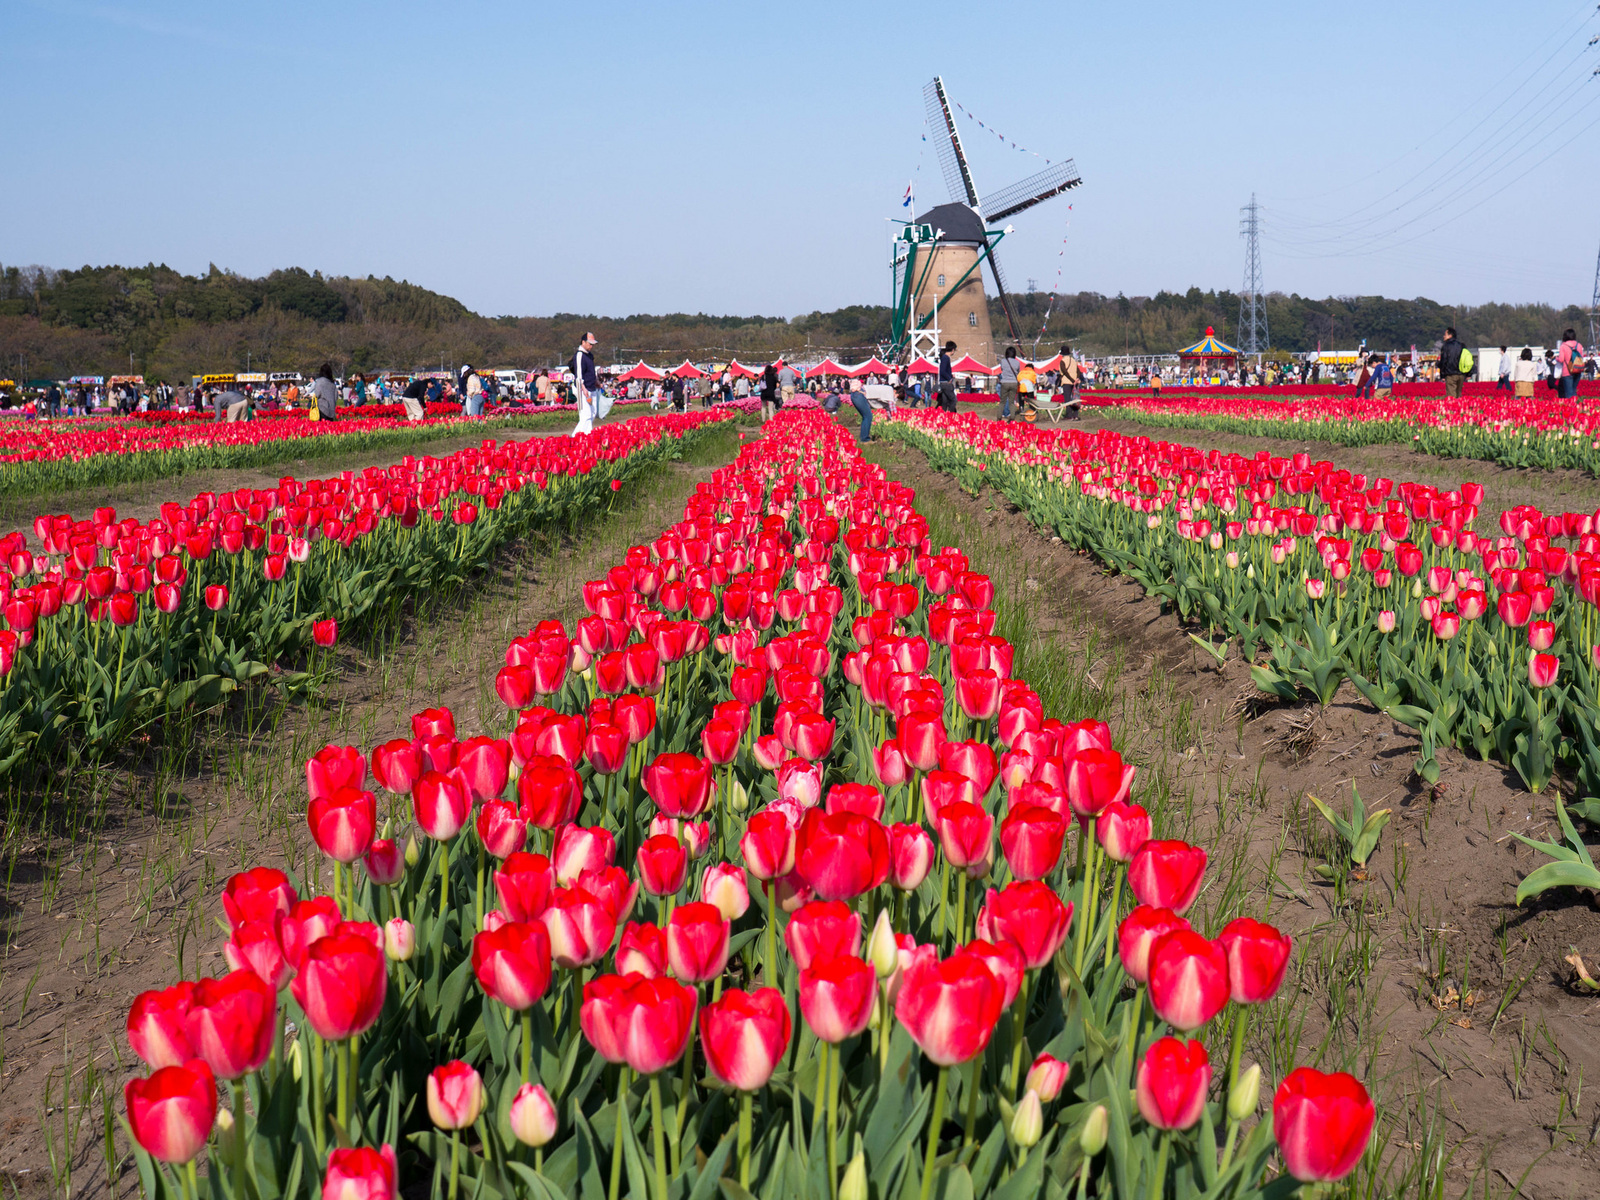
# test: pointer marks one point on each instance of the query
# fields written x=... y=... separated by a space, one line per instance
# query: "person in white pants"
x=585 y=385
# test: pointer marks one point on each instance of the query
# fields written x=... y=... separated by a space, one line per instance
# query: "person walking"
x=769 y=393
x=947 y=379
x=1382 y=382
x=1364 y=380
x=788 y=380
x=585 y=384
x=1450 y=369
x=324 y=393
x=1570 y=357
x=1524 y=373
x=1008 y=382
x=1503 y=383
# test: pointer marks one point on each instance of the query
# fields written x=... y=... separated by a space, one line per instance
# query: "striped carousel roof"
x=1209 y=347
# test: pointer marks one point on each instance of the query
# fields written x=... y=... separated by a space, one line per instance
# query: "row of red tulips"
x=1486 y=642
x=113 y=624
x=393 y=412
x=1492 y=425
x=793 y=693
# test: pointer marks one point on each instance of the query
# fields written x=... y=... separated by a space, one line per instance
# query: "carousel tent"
x=971 y=366
x=1208 y=349
x=687 y=370
x=640 y=372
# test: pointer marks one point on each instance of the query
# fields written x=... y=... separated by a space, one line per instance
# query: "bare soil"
x=1424 y=978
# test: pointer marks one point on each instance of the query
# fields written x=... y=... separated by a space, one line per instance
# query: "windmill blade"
x=952 y=158
x=1000 y=290
x=1025 y=193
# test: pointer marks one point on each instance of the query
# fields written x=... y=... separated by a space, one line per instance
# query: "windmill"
x=938 y=258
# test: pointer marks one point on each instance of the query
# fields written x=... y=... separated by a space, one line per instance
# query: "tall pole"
x=1253 y=337
x=1594 y=305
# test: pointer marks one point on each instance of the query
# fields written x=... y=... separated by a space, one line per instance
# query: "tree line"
x=164 y=324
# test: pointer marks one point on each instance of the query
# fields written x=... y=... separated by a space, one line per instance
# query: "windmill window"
x=972 y=319
x=941 y=281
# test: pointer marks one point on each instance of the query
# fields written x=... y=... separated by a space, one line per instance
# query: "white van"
x=513 y=380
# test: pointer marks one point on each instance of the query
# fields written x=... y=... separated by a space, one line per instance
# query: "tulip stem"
x=1158 y=1180
x=935 y=1122
x=341 y=1059
x=833 y=1123
x=444 y=879
x=944 y=899
x=1115 y=910
x=527 y=1043
x=242 y=1185
x=745 y=1101
x=194 y=1179
x=820 y=1103
x=1085 y=896
x=974 y=1073
x=321 y=1107
x=659 y=1138
x=478 y=907
x=338 y=877
x=1241 y=1018
x=771 y=886
x=455 y=1162
x=616 y=1144
x=682 y=1115
x=961 y=905
x=1019 y=1020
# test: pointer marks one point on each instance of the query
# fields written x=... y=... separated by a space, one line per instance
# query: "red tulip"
x=500 y=829
x=836 y=996
x=524 y=884
x=663 y=865
x=512 y=963
x=723 y=885
x=1031 y=837
x=813 y=736
x=1095 y=778
x=307 y=921
x=258 y=894
x=485 y=765
x=1030 y=916
x=800 y=782
x=697 y=942
x=1258 y=956
x=1543 y=669
x=158 y=1026
x=911 y=853
x=920 y=735
x=385 y=862
x=172 y=1112
x=332 y=768
x=216 y=596
x=256 y=945
x=768 y=845
x=1047 y=1076
x=580 y=848
x=342 y=824
x=680 y=784
x=1322 y=1123
x=1188 y=979
x=1167 y=874
x=744 y=1036
x=1121 y=829
x=1172 y=1082
x=941 y=788
x=231 y=1022
x=433 y=723
x=821 y=930
x=642 y=950
x=949 y=1008
x=442 y=804
x=635 y=716
x=361 y=1173
x=341 y=983
x=966 y=835
x=840 y=856
x=1139 y=929
x=397 y=766
x=581 y=927
x=645 y=1023
x=606 y=748
x=613 y=889
x=889 y=763
x=456 y=1096
x=548 y=792
x=533 y=1117
x=1514 y=608
x=860 y=798
x=324 y=633
x=972 y=760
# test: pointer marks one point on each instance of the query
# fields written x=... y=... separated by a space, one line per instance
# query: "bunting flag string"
x=1061 y=262
x=974 y=117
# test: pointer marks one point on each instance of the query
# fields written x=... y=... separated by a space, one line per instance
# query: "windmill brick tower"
x=942 y=251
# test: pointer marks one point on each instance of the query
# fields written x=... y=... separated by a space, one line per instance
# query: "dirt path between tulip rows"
x=1424 y=979
x=89 y=921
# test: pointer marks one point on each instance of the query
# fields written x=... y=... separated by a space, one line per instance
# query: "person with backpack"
x=1455 y=363
x=1570 y=359
x=1382 y=381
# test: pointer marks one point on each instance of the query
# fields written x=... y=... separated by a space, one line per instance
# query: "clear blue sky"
x=619 y=158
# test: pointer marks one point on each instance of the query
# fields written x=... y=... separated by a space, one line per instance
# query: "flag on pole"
x=906 y=203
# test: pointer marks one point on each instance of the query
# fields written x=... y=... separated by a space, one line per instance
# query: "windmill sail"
x=1025 y=193
x=947 y=144
x=1000 y=290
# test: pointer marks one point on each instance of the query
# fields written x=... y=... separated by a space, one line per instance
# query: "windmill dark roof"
x=959 y=222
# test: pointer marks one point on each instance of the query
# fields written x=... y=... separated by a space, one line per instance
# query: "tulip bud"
x=413 y=855
x=738 y=798
x=883 y=952
x=296 y=1060
x=1096 y=1128
x=1027 y=1124
x=224 y=1121
x=1246 y=1094
x=1047 y=1076
x=854 y=1184
x=533 y=1117
x=399 y=939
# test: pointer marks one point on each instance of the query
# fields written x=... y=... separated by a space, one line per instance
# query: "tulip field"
x=1544 y=432
x=798 y=836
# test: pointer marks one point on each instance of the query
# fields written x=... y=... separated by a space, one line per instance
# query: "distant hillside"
x=90 y=321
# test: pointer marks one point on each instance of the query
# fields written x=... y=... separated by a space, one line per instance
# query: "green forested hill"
x=96 y=319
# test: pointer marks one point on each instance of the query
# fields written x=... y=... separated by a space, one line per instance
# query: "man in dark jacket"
x=1450 y=364
x=412 y=398
x=585 y=384
x=769 y=392
x=947 y=379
